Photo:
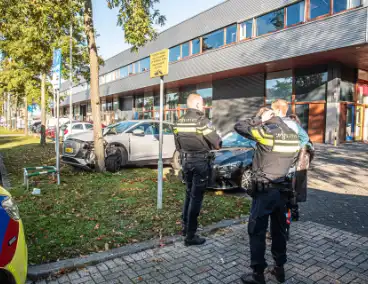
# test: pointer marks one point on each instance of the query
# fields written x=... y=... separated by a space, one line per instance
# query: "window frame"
x=241 y=37
x=226 y=34
x=223 y=30
x=171 y=48
x=262 y=15
x=304 y=14
x=309 y=12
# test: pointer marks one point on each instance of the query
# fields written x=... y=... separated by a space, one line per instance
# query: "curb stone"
x=4 y=181
x=37 y=272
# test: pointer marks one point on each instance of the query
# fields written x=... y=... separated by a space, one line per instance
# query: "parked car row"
x=137 y=143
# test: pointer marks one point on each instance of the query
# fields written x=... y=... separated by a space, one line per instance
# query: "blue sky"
x=111 y=38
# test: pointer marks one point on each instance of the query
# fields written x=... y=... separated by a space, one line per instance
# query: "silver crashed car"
x=127 y=142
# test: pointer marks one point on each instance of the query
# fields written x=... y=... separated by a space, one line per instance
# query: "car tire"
x=6 y=277
x=117 y=160
x=246 y=179
x=113 y=163
x=176 y=161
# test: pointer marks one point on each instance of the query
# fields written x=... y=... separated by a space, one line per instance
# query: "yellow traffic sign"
x=159 y=63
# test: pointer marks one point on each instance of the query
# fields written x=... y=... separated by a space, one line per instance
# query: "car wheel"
x=117 y=160
x=246 y=179
x=6 y=277
x=113 y=163
x=176 y=161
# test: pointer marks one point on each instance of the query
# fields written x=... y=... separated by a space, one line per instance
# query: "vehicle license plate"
x=69 y=150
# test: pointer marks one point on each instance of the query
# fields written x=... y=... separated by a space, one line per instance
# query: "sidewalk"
x=316 y=253
x=329 y=245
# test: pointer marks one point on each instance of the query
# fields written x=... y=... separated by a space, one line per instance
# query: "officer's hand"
x=267 y=115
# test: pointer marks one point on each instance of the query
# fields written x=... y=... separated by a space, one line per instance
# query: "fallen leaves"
x=96 y=227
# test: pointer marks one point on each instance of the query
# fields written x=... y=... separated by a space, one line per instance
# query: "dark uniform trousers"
x=196 y=172
x=269 y=203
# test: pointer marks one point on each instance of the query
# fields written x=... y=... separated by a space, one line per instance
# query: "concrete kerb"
x=38 y=272
x=4 y=181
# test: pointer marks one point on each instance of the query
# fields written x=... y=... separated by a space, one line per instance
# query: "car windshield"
x=118 y=128
x=233 y=139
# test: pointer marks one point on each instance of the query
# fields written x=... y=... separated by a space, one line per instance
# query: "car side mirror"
x=138 y=132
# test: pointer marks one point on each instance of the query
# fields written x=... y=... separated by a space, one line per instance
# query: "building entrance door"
x=350 y=123
x=359 y=116
x=365 y=124
x=312 y=118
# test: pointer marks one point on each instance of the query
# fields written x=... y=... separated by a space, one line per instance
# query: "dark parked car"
x=36 y=127
x=232 y=164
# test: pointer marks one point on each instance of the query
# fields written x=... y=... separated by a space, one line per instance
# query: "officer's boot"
x=253 y=278
x=184 y=230
x=279 y=273
x=193 y=240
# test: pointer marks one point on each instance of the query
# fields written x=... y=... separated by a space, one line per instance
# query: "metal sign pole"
x=57 y=136
x=71 y=79
x=160 y=163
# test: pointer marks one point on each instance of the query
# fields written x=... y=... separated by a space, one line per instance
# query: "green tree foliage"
x=138 y=17
x=31 y=29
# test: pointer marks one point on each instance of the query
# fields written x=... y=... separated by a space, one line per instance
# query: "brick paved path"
x=338 y=188
x=317 y=254
x=329 y=245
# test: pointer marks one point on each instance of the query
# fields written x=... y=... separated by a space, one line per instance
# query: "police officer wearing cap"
x=276 y=150
x=195 y=137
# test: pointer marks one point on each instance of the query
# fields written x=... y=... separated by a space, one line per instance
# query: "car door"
x=168 y=146
x=144 y=146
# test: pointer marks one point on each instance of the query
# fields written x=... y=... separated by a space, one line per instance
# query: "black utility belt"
x=195 y=155
x=263 y=186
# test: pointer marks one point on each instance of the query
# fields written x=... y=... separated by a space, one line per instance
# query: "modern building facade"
x=241 y=55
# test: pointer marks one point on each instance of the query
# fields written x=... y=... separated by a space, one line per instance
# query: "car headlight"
x=227 y=170
x=230 y=166
x=11 y=208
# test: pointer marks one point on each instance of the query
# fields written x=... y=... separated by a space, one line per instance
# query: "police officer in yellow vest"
x=195 y=137
x=276 y=150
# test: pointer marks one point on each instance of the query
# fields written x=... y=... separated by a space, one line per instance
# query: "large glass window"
x=205 y=90
x=116 y=74
x=279 y=85
x=124 y=72
x=109 y=104
x=213 y=40
x=185 y=49
x=115 y=104
x=172 y=98
x=341 y=5
x=139 y=102
x=196 y=46
x=246 y=29
x=295 y=14
x=174 y=54
x=231 y=33
x=319 y=8
x=184 y=93
x=302 y=111
x=148 y=101
x=144 y=64
x=270 y=22
x=310 y=85
x=131 y=70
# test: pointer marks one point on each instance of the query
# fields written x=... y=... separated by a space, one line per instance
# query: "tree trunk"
x=25 y=116
x=8 y=113
x=43 y=110
x=94 y=90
